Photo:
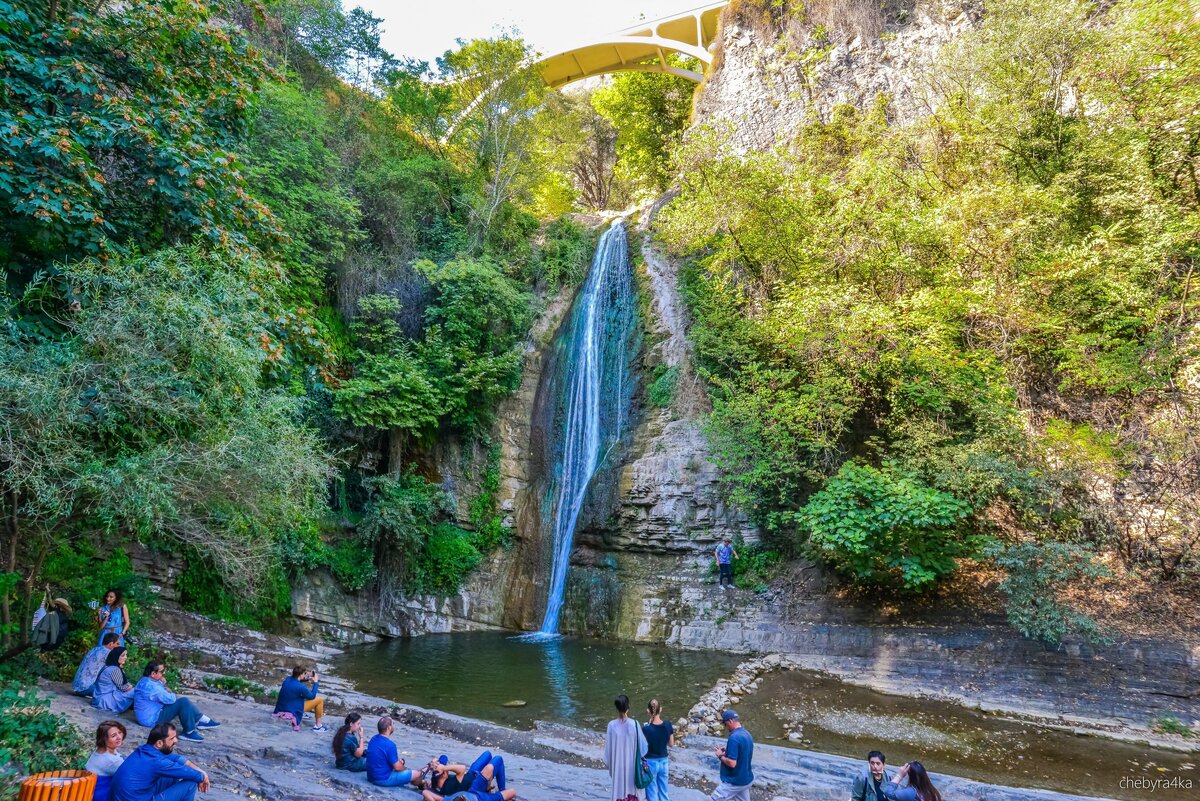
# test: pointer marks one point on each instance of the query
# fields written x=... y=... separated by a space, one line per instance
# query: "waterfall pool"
x=565 y=680
x=574 y=679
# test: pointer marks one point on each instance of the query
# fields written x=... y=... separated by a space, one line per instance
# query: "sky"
x=425 y=29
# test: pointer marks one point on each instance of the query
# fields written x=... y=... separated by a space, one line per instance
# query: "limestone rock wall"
x=772 y=76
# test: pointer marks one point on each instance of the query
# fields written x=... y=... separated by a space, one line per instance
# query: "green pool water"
x=573 y=680
x=569 y=680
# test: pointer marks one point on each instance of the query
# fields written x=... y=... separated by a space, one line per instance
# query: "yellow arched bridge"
x=642 y=48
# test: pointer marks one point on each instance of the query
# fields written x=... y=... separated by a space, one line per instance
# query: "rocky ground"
x=254 y=756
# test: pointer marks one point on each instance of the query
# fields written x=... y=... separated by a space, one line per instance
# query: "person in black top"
x=448 y=779
x=659 y=735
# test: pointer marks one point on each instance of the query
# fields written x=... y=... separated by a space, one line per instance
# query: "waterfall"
x=594 y=391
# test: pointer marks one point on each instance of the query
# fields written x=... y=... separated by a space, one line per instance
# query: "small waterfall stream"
x=594 y=393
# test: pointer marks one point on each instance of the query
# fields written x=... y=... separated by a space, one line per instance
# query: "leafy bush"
x=32 y=739
x=565 y=253
x=886 y=529
x=1035 y=574
x=415 y=550
x=661 y=391
x=1169 y=724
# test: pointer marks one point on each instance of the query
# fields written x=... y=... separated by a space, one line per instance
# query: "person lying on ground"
x=155 y=773
x=112 y=692
x=105 y=760
x=349 y=745
x=91 y=665
x=385 y=768
x=296 y=697
x=449 y=779
x=154 y=704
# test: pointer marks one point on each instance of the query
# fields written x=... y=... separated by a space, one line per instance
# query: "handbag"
x=641 y=768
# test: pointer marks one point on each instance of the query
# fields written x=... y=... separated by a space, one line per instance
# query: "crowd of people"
x=637 y=760
x=636 y=754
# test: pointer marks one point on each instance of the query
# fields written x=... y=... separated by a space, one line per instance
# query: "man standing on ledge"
x=735 y=757
x=868 y=785
x=725 y=554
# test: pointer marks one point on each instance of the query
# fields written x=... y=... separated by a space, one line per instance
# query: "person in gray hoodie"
x=868 y=785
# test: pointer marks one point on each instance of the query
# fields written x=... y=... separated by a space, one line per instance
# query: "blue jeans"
x=183 y=790
x=188 y=714
x=657 y=789
x=398 y=778
x=480 y=785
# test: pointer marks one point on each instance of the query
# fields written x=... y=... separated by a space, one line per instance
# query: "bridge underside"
x=643 y=48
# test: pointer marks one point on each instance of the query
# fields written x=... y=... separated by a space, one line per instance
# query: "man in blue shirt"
x=735 y=757
x=93 y=663
x=725 y=554
x=154 y=703
x=385 y=768
x=296 y=697
x=154 y=773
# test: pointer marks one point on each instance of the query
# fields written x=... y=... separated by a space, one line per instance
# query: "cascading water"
x=593 y=395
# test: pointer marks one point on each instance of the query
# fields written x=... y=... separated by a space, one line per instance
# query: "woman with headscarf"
x=113 y=692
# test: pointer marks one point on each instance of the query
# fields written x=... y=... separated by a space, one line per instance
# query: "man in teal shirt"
x=868 y=785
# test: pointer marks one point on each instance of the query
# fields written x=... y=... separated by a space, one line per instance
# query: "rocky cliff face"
x=774 y=73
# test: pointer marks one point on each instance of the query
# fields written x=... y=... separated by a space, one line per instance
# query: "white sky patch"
x=424 y=29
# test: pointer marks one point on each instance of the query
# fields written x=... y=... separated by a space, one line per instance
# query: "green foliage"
x=490 y=533
x=648 y=111
x=236 y=685
x=148 y=418
x=468 y=360
x=32 y=739
x=564 y=255
x=109 y=140
x=886 y=529
x=1035 y=575
x=291 y=168
x=1169 y=724
x=401 y=523
x=661 y=391
x=880 y=294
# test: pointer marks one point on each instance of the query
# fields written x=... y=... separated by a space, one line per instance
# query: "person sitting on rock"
x=154 y=704
x=93 y=662
x=868 y=785
x=450 y=779
x=154 y=773
x=105 y=761
x=348 y=745
x=296 y=697
x=385 y=768
x=112 y=692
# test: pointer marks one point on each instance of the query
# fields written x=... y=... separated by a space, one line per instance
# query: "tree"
x=147 y=420
x=649 y=111
x=576 y=141
x=496 y=90
x=118 y=128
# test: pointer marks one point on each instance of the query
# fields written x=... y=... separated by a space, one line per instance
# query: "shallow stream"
x=492 y=676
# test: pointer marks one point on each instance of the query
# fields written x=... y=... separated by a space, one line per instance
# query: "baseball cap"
x=728 y=715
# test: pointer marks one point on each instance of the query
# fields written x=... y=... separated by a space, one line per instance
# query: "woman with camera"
x=296 y=697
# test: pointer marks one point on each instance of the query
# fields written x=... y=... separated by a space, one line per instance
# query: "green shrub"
x=447 y=557
x=1035 y=574
x=884 y=528
x=661 y=391
x=565 y=253
x=32 y=739
x=1169 y=724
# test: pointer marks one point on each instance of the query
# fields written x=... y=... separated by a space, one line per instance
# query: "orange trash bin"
x=59 y=785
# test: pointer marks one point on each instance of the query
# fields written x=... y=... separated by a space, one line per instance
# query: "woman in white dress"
x=622 y=744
